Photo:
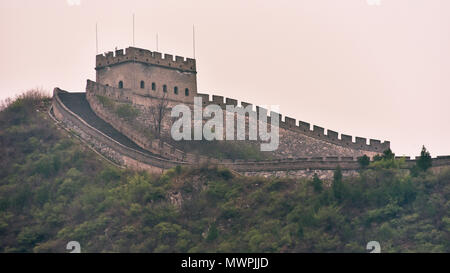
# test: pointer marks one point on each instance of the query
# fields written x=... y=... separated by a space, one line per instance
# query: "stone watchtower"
x=148 y=73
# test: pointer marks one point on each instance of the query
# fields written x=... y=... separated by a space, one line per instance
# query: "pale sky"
x=375 y=71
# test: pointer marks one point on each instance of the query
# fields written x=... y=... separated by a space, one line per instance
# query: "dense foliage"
x=54 y=190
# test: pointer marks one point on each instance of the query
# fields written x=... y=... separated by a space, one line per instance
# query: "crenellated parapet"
x=168 y=157
x=317 y=132
x=288 y=123
x=133 y=54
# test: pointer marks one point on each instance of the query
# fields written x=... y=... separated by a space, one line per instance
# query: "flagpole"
x=193 y=39
x=96 y=38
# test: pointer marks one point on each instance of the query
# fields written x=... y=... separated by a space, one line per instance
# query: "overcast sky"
x=376 y=71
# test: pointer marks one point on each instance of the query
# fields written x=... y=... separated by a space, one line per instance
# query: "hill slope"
x=54 y=190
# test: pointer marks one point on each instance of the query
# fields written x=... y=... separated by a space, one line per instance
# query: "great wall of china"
x=303 y=151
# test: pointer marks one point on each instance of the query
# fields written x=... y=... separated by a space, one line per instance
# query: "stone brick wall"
x=140 y=65
x=293 y=167
x=108 y=147
x=293 y=142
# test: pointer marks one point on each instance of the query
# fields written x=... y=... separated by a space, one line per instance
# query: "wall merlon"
x=168 y=57
x=229 y=101
x=131 y=51
x=361 y=141
x=99 y=58
x=205 y=98
x=119 y=52
x=217 y=99
x=332 y=135
x=289 y=121
x=319 y=131
x=260 y=109
x=374 y=142
x=157 y=55
x=245 y=104
x=304 y=126
x=190 y=61
x=279 y=116
x=346 y=139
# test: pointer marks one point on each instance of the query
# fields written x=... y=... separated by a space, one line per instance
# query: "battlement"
x=166 y=156
x=316 y=132
x=133 y=54
x=288 y=123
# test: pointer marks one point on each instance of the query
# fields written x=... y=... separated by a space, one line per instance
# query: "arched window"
x=175 y=90
x=164 y=88
x=120 y=84
x=142 y=84
x=153 y=86
x=186 y=92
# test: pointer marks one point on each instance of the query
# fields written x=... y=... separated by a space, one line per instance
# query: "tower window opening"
x=186 y=92
x=175 y=90
x=120 y=84
x=164 y=88
x=153 y=86
x=142 y=84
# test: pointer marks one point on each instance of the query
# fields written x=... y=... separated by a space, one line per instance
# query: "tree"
x=317 y=183
x=388 y=154
x=377 y=158
x=158 y=111
x=213 y=233
x=338 y=186
x=424 y=162
x=364 y=161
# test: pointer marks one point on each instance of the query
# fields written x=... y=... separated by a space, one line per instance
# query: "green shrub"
x=317 y=183
x=213 y=233
x=127 y=111
x=105 y=101
x=364 y=161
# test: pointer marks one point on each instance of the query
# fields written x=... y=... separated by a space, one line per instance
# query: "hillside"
x=53 y=189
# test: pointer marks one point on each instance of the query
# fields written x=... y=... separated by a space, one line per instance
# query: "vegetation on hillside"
x=54 y=190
